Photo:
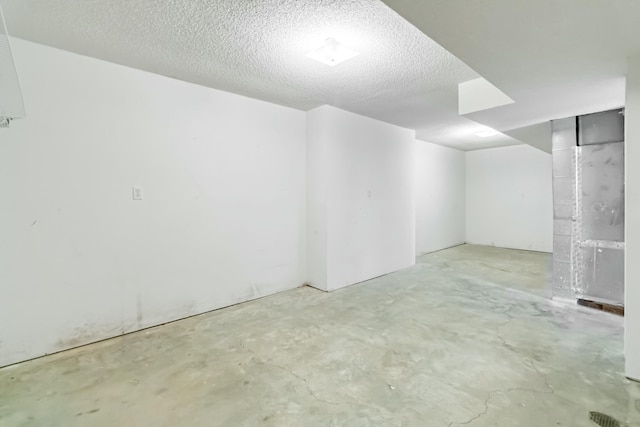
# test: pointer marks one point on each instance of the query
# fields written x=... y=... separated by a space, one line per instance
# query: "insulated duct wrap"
x=588 y=198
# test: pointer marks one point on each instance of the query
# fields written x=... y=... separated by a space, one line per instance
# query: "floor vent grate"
x=604 y=420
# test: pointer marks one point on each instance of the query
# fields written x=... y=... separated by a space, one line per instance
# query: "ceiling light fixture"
x=487 y=133
x=332 y=53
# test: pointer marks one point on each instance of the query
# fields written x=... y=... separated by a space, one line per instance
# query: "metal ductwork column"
x=588 y=208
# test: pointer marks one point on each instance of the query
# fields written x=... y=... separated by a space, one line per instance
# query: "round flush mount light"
x=332 y=53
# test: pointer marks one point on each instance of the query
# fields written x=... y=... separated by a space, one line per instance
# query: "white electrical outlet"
x=138 y=194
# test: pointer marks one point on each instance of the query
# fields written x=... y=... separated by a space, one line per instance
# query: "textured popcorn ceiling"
x=257 y=48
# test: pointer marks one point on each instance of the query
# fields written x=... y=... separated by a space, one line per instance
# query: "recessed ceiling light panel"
x=487 y=133
x=332 y=53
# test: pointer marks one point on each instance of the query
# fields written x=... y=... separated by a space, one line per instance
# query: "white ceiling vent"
x=11 y=104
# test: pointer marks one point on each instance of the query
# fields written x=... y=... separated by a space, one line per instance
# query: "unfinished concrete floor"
x=524 y=270
x=432 y=345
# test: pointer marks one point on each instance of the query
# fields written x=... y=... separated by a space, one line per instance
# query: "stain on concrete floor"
x=437 y=344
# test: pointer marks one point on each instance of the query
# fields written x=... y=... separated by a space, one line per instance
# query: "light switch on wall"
x=137 y=193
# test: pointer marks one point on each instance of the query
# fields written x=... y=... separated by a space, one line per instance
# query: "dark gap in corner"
x=607 y=308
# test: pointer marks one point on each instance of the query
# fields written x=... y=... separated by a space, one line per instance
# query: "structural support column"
x=632 y=221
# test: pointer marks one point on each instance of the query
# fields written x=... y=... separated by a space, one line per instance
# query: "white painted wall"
x=365 y=200
x=632 y=222
x=440 y=197
x=509 y=199
x=223 y=219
